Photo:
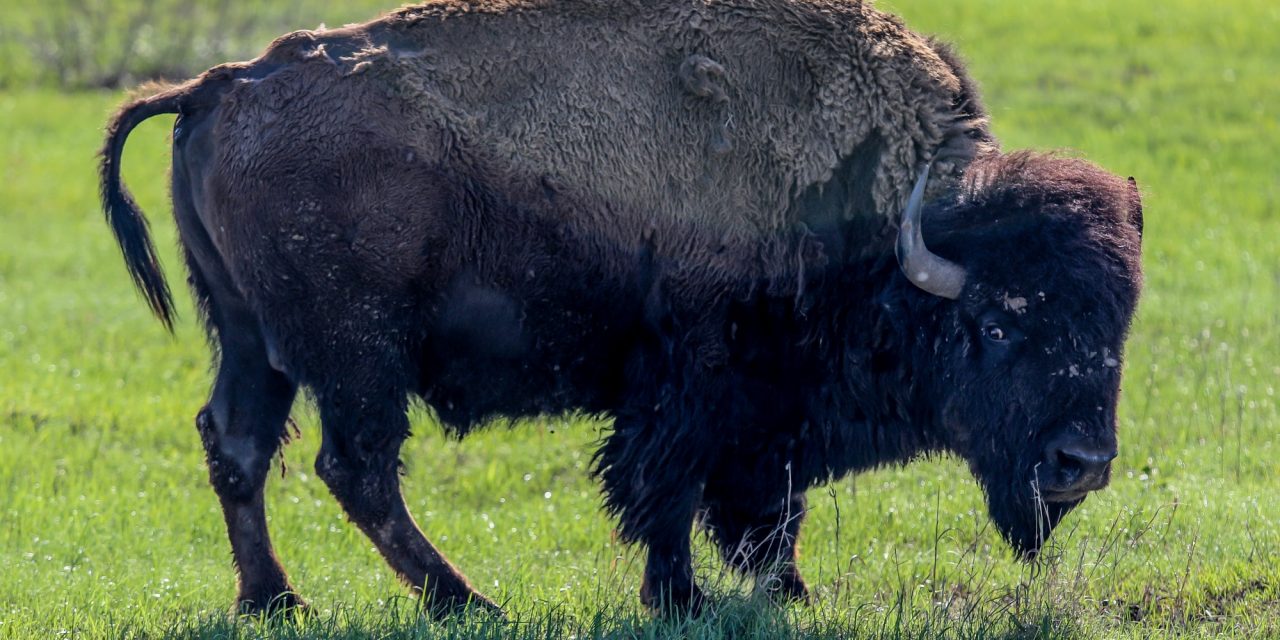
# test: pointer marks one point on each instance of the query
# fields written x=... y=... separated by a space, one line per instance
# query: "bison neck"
x=834 y=378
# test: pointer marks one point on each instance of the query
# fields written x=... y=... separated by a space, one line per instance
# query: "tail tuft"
x=131 y=229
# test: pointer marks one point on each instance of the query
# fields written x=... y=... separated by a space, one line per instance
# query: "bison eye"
x=993 y=332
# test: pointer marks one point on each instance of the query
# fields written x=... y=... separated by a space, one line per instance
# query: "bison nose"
x=1078 y=468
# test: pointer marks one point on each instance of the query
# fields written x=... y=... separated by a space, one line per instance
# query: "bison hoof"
x=281 y=605
x=440 y=607
x=784 y=590
x=675 y=601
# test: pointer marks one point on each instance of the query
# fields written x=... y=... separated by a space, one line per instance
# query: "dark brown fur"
x=674 y=214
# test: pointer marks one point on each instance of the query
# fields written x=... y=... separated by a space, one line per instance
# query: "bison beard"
x=375 y=212
x=1024 y=521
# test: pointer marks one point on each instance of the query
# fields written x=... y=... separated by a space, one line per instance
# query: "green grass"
x=108 y=527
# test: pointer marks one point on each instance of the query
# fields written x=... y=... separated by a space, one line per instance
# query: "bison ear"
x=1135 y=214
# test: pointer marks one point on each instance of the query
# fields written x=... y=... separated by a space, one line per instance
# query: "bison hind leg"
x=363 y=415
x=242 y=428
x=243 y=425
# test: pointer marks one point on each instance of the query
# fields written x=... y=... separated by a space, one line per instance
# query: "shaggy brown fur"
x=674 y=213
x=583 y=99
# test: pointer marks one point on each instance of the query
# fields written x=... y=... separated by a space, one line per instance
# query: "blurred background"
x=96 y=44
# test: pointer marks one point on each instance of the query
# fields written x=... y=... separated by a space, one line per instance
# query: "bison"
x=773 y=240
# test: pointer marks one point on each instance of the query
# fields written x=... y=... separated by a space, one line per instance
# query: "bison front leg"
x=359 y=461
x=653 y=467
x=242 y=427
x=654 y=486
x=758 y=535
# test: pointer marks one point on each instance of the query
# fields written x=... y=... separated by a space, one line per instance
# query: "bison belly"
x=551 y=344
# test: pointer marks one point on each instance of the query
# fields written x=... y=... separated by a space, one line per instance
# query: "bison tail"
x=127 y=222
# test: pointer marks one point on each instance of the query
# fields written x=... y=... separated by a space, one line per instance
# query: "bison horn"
x=924 y=269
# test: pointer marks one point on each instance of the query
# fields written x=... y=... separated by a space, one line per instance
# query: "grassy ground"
x=108 y=527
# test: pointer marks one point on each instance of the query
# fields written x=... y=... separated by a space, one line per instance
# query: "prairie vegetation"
x=108 y=527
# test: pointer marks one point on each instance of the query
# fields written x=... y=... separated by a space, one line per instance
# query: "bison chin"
x=1024 y=520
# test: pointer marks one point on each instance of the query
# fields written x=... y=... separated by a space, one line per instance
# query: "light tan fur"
x=587 y=98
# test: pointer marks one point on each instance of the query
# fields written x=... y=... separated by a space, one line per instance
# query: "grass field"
x=108 y=527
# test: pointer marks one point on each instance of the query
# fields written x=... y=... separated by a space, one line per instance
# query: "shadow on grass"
x=737 y=617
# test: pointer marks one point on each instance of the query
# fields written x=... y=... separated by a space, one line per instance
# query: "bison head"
x=1040 y=257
